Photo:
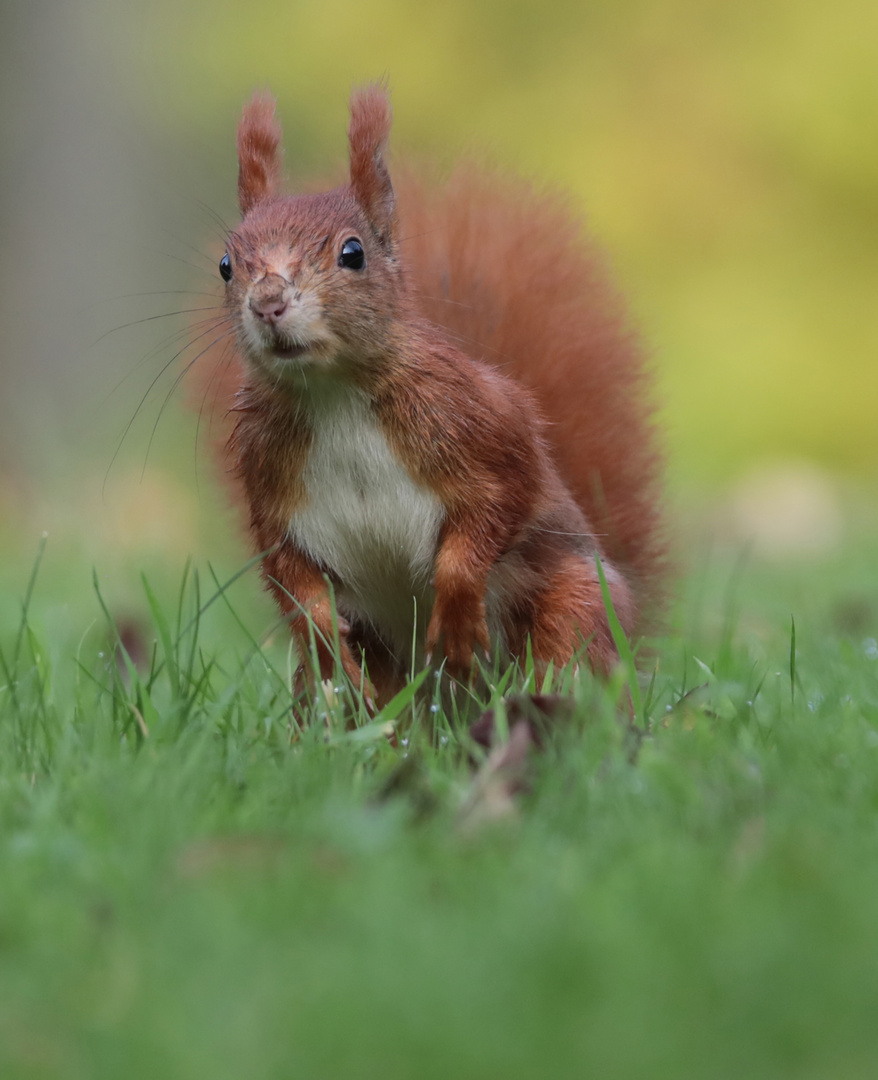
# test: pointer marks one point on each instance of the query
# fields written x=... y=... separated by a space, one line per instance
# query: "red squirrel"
x=442 y=415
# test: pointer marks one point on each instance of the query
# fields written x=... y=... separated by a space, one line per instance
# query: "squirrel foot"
x=458 y=631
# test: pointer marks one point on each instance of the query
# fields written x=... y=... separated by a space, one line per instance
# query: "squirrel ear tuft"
x=367 y=136
x=259 y=152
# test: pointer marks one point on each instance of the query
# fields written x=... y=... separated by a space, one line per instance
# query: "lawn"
x=189 y=888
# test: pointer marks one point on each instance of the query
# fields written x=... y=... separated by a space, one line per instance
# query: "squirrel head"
x=312 y=281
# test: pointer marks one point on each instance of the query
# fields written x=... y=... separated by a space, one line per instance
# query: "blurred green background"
x=725 y=154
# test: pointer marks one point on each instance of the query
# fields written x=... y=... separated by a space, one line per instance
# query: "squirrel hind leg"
x=569 y=610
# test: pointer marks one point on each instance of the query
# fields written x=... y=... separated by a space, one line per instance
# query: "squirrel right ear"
x=367 y=138
x=259 y=152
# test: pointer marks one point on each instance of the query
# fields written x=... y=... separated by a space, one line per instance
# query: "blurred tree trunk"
x=69 y=192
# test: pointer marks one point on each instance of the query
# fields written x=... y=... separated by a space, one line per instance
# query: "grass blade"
x=622 y=647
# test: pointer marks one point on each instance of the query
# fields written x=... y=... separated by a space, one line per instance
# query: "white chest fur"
x=366 y=520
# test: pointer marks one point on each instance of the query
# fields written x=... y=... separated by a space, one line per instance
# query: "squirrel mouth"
x=289 y=352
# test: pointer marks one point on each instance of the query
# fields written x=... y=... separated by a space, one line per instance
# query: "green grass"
x=189 y=890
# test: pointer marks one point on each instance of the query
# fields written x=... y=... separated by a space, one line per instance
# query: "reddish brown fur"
x=571 y=603
x=510 y=273
x=270 y=448
x=450 y=422
x=259 y=152
x=367 y=138
x=523 y=294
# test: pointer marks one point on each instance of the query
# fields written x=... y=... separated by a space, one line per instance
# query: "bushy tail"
x=512 y=276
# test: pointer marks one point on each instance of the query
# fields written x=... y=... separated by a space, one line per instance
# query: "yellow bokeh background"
x=725 y=154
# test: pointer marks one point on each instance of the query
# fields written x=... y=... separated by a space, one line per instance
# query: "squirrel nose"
x=269 y=309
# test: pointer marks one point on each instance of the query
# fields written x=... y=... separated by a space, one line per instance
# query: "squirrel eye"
x=352 y=255
x=225 y=267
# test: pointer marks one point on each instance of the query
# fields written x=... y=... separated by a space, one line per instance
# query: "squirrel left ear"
x=367 y=136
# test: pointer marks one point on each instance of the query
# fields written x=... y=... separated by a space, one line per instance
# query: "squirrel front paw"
x=305 y=676
x=458 y=628
x=322 y=616
x=357 y=676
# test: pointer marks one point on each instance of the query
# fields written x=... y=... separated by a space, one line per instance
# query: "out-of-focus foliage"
x=726 y=154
